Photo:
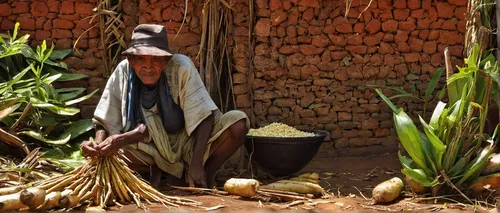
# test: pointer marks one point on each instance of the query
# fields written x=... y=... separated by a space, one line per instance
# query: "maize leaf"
x=416 y=174
x=410 y=139
x=476 y=166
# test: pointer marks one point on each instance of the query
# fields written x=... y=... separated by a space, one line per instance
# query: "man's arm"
x=202 y=134
x=112 y=144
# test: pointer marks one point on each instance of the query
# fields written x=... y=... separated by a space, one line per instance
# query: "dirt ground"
x=342 y=177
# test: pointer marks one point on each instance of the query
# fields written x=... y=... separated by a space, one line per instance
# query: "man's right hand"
x=89 y=148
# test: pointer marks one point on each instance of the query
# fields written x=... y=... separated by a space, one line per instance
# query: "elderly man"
x=156 y=110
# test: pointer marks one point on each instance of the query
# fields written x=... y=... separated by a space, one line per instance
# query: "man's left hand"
x=196 y=175
x=110 y=146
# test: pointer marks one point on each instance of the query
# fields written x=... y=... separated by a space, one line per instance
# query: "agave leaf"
x=40 y=137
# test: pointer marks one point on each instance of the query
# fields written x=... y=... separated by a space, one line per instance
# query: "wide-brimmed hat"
x=149 y=39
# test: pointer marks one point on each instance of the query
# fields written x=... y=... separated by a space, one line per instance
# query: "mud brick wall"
x=312 y=64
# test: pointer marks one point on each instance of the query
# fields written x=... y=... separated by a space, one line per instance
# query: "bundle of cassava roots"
x=101 y=181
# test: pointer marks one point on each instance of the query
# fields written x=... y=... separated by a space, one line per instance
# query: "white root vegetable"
x=11 y=190
x=312 y=176
x=68 y=200
x=51 y=201
x=388 y=190
x=94 y=209
x=242 y=187
x=27 y=198
x=295 y=186
x=32 y=197
x=414 y=185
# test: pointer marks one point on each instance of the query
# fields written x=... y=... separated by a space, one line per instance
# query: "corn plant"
x=451 y=146
x=29 y=103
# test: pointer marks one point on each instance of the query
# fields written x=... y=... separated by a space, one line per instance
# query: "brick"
x=414 y=4
x=278 y=17
x=67 y=7
x=400 y=4
x=385 y=48
x=21 y=7
x=355 y=40
x=47 y=25
x=239 y=78
x=430 y=47
x=39 y=9
x=64 y=43
x=184 y=39
x=461 y=26
x=309 y=3
x=373 y=26
x=401 y=36
x=411 y=57
x=275 y=4
x=449 y=25
x=359 y=49
x=359 y=27
x=310 y=50
x=417 y=14
x=401 y=14
x=433 y=35
x=424 y=34
x=339 y=55
x=390 y=26
x=243 y=101
x=84 y=8
x=344 y=28
x=384 y=4
x=403 y=47
x=26 y=23
x=445 y=10
x=460 y=13
x=62 y=24
x=373 y=40
x=308 y=15
x=263 y=27
x=6 y=10
x=320 y=41
x=392 y=60
x=407 y=26
x=388 y=37
x=458 y=2
x=262 y=3
x=416 y=44
x=423 y=24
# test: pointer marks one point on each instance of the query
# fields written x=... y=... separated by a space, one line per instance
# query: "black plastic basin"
x=284 y=156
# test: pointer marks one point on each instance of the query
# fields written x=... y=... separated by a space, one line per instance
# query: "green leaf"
x=16 y=28
x=410 y=139
x=77 y=128
x=438 y=111
x=80 y=99
x=38 y=136
x=60 y=54
x=437 y=145
x=52 y=78
x=55 y=109
x=47 y=121
x=416 y=174
x=15 y=79
x=476 y=166
x=68 y=93
x=71 y=77
x=387 y=101
x=457 y=168
x=432 y=84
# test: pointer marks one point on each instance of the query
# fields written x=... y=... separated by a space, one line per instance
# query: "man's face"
x=148 y=68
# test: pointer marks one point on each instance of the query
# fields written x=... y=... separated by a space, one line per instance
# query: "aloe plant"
x=29 y=103
x=452 y=143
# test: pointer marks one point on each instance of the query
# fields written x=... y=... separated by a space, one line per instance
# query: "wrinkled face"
x=148 y=68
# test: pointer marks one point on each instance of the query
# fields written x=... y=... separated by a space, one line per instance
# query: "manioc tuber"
x=388 y=190
x=493 y=165
x=242 y=187
x=312 y=176
x=94 y=209
x=27 y=198
x=68 y=199
x=295 y=186
x=414 y=185
x=51 y=201
x=11 y=190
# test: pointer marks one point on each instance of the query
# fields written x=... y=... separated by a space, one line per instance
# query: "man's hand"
x=110 y=146
x=89 y=148
x=196 y=175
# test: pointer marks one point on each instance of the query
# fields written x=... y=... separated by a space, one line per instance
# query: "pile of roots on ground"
x=101 y=181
